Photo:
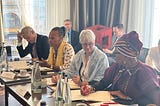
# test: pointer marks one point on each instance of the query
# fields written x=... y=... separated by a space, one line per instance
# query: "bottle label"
x=36 y=87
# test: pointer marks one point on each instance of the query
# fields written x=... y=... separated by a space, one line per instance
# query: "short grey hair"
x=87 y=35
x=26 y=30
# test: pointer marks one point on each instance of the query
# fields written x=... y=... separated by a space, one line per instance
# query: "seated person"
x=61 y=53
x=88 y=65
x=118 y=32
x=38 y=45
x=153 y=58
x=129 y=78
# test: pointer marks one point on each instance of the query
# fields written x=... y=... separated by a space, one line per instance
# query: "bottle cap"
x=43 y=103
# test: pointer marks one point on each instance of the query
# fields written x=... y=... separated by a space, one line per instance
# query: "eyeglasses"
x=87 y=44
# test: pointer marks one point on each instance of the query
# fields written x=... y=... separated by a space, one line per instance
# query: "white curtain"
x=57 y=12
x=1 y=25
x=138 y=15
x=27 y=13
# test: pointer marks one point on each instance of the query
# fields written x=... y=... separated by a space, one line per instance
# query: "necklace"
x=131 y=73
x=121 y=72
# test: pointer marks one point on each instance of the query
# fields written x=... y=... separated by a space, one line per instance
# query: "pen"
x=80 y=71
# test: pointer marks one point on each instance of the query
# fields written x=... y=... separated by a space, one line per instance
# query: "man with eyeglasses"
x=72 y=36
x=38 y=45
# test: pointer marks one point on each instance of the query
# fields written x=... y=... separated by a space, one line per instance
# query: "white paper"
x=73 y=85
x=18 y=65
x=96 y=96
x=21 y=91
x=9 y=75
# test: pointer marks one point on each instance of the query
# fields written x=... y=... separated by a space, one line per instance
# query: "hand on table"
x=86 y=90
x=44 y=63
x=55 y=78
x=76 y=79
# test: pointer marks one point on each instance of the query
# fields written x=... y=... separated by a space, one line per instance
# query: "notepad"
x=18 y=65
x=98 y=96
x=9 y=75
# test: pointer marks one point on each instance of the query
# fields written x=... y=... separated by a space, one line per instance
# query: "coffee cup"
x=23 y=72
x=81 y=104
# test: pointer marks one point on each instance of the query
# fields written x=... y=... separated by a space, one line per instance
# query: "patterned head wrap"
x=129 y=44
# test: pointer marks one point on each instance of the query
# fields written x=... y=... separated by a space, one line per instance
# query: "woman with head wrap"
x=128 y=78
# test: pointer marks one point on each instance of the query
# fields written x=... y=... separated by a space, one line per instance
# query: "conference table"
x=20 y=89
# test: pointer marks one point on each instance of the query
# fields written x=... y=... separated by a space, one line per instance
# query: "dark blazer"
x=42 y=48
x=75 y=41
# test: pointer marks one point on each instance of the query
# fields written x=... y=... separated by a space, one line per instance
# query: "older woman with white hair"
x=89 y=64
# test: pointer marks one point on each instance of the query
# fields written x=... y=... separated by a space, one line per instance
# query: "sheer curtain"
x=1 y=25
x=137 y=15
x=57 y=12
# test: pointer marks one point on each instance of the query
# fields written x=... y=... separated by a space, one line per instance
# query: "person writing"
x=128 y=78
x=61 y=53
x=89 y=64
x=38 y=45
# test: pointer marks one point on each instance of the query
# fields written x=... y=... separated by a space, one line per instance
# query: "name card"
x=21 y=91
x=9 y=75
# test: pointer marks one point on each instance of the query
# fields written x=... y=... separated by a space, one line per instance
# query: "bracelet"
x=79 y=83
x=92 y=89
x=128 y=98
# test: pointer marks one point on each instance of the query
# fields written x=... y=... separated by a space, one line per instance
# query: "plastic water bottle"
x=36 y=80
x=67 y=93
x=32 y=75
x=4 y=60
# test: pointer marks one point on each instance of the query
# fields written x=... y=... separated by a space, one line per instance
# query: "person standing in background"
x=153 y=58
x=38 y=45
x=71 y=36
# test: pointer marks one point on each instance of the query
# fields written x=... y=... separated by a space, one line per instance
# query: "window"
x=19 y=13
x=156 y=23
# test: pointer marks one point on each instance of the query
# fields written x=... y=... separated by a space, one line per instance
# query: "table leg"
x=6 y=96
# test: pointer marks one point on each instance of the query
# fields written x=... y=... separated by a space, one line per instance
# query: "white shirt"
x=153 y=58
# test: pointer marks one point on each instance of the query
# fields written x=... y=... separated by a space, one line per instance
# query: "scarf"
x=54 y=59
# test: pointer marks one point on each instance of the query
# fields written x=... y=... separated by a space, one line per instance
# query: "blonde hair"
x=87 y=35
